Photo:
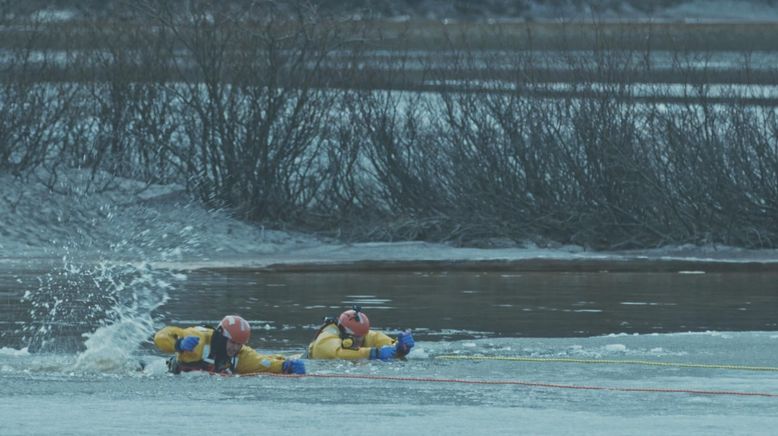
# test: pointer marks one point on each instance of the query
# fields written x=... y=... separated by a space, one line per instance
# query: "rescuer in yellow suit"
x=349 y=337
x=221 y=350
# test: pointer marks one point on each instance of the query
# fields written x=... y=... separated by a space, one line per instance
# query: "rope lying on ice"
x=524 y=383
x=612 y=362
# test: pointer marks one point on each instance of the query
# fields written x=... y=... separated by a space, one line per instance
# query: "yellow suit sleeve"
x=251 y=362
x=377 y=339
x=329 y=346
x=165 y=340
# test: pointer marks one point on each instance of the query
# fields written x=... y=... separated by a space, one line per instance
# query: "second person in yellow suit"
x=220 y=350
x=349 y=337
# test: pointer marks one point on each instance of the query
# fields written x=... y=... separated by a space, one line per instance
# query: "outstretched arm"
x=385 y=348
x=251 y=362
x=332 y=348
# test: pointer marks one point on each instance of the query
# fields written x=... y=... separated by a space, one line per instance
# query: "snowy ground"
x=161 y=224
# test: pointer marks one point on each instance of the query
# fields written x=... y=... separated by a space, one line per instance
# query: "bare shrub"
x=255 y=113
x=335 y=127
x=31 y=111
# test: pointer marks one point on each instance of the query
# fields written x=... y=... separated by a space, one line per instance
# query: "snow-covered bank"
x=124 y=220
x=121 y=219
x=432 y=257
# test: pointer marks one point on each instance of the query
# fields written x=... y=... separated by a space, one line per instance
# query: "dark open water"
x=286 y=307
x=470 y=304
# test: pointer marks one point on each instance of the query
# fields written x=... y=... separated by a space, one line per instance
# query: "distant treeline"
x=297 y=123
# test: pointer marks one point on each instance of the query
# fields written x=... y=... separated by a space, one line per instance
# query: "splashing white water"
x=111 y=347
x=111 y=305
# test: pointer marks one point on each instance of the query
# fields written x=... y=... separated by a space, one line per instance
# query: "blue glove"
x=384 y=353
x=404 y=343
x=187 y=344
x=293 y=366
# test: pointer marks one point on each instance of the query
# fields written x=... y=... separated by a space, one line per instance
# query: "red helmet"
x=235 y=329
x=354 y=322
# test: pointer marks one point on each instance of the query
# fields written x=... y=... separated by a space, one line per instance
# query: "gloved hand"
x=187 y=344
x=384 y=353
x=404 y=343
x=293 y=366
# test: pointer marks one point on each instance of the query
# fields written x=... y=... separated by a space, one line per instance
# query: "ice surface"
x=86 y=400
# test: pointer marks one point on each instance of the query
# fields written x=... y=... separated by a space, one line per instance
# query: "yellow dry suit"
x=210 y=353
x=331 y=344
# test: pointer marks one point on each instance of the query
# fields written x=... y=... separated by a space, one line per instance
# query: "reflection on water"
x=285 y=308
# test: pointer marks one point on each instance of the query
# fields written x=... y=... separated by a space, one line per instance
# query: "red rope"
x=523 y=383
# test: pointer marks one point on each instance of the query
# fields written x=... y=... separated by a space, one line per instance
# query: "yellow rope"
x=612 y=362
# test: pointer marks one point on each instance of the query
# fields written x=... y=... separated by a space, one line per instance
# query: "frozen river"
x=497 y=353
x=52 y=394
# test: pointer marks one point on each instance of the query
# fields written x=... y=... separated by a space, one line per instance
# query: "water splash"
x=102 y=311
x=128 y=323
